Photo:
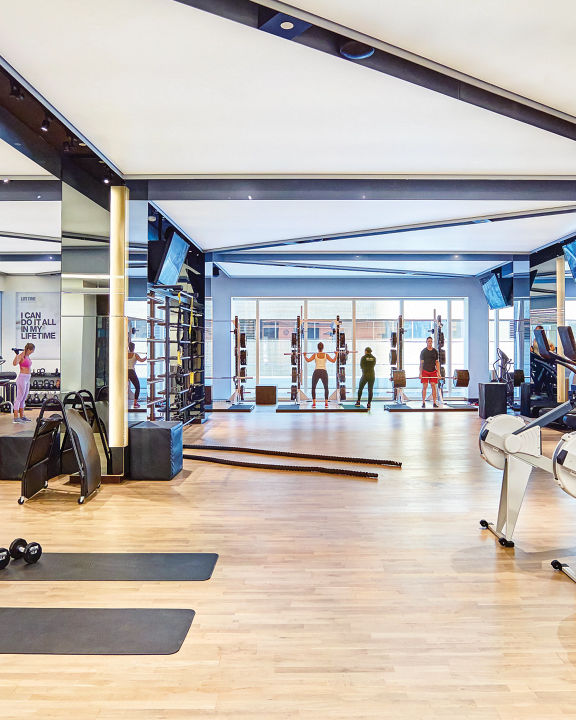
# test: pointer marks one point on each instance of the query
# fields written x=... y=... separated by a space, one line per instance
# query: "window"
x=365 y=322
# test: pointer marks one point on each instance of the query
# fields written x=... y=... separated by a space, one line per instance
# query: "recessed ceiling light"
x=106 y=181
x=16 y=90
x=286 y=25
x=38 y=197
x=249 y=197
x=6 y=180
x=81 y=144
x=45 y=124
x=456 y=256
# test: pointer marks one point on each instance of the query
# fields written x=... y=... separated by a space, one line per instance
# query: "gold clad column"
x=118 y=351
x=561 y=389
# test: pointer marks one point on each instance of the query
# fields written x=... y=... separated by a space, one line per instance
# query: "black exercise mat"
x=87 y=631
x=126 y=567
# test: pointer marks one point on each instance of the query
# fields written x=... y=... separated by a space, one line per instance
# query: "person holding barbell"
x=320 y=373
x=429 y=371
x=367 y=365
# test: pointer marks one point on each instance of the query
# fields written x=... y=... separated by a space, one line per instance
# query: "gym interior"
x=287 y=360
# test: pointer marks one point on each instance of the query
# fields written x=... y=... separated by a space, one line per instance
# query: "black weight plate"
x=442 y=357
x=293 y=392
x=4 y=558
x=243 y=340
x=294 y=359
x=294 y=341
x=33 y=553
x=243 y=356
x=342 y=392
x=17 y=548
x=342 y=340
x=393 y=356
x=394 y=339
x=294 y=375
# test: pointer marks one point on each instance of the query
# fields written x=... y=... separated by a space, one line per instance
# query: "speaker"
x=491 y=399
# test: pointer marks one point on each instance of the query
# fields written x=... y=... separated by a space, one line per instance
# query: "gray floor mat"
x=87 y=631
x=139 y=567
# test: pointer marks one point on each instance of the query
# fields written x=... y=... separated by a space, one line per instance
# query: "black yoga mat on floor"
x=140 y=567
x=87 y=631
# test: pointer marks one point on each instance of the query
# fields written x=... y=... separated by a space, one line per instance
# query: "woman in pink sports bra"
x=23 y=382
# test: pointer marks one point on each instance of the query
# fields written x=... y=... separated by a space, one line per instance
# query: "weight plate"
x=461 y=378
x=342 y=340
x=293 y=392
x=33 y=553
x=393 y=356
x=440 y=339
x=243 y=357
x=518 y=377
x=342 y=392
x=294 y=359
x=394 y=339
x=398 y=378
x=294 y=341
x=294 y=375
x=243 y=340
x=442 y=356
x=17 y=548
x=4 y=558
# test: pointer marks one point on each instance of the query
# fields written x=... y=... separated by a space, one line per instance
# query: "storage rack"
x=240 y=364
x=296 y=392
x=175 y=356
x=42 y=385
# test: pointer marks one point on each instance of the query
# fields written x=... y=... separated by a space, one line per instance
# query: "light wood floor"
x=333 y=597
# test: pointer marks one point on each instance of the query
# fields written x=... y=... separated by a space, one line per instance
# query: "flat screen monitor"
x=497 y=291
x=570 y=255
x=170 y=260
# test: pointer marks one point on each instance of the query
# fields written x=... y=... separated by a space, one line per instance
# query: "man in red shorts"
x=429 y=371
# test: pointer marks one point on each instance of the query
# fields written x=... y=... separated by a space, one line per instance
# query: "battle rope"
x=335 y=458
x=291 y=468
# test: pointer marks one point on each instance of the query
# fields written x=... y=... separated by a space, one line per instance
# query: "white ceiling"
x=14 y=165
x=525 y=46
x=41 y=218
x=214 y=224
x=18 y=246
x=236 y=100
x=24 y=268
x=418 y=266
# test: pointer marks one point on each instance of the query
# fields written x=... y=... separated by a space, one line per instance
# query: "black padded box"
x=155 y=450
x=13 y=453
x=265 y=394
x=491 y=399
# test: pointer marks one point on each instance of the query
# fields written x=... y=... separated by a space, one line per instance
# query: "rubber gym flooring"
x=333 y=598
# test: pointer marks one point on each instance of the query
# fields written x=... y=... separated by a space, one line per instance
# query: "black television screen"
x=497 y=292
x=166 y=270
x=570 y=255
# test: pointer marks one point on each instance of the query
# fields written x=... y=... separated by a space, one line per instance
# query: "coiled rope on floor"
x=311 y=456
x=289 y=468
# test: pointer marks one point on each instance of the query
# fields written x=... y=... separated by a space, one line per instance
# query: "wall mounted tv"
x=165 y=259
x=498 y=291
x=570 y=256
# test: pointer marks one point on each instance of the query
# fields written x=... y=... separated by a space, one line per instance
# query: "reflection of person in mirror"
x=134 y=358
x=22 y=382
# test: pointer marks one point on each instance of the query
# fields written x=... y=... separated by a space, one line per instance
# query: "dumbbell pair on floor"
x=19 y=548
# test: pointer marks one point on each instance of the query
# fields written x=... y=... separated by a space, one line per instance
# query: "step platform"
x=417 y=407
x=307 y=408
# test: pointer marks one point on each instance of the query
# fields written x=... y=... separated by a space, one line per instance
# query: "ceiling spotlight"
x=354 y=50
x=456 y=256
x=106 y=181
x=286 y=25
x=6 y=180
x=45 y=124
x=16 y=90
x=151 y=218
x=82 y=144
x=38 y=197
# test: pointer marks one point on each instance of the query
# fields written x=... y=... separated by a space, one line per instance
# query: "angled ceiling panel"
x=165 y=89
x=217 y=224
x=525 y=46
x=15 y=165
x=40 y=218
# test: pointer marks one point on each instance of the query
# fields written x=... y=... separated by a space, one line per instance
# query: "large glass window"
x=366 y=322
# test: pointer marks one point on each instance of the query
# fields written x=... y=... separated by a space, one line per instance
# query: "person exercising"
x=22 y=382
x=367 y=365
x=429 y=371
x=320 y=373
x=134 y=358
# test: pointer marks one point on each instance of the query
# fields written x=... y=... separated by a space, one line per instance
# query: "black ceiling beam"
x=27 y=257
x=404 y=68
x=23 y=139
x=352 y=189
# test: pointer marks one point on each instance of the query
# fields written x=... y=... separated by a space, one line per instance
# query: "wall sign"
x=38 y=322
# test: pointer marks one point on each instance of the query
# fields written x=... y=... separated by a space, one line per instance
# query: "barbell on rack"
x=461 y=378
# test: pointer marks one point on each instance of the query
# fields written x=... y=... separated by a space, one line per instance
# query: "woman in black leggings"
x=133 y=358
x=320 y=373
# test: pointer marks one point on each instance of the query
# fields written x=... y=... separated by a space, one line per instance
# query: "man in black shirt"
x=429 y=371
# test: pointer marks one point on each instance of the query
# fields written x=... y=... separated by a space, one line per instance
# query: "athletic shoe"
x=136 y=405
x=358 y=404
x=17 y=420
x=25 y=419
x=424 y=405
x=313 y=403
x=326 y=404
x=368 y=406
x=436 y=405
